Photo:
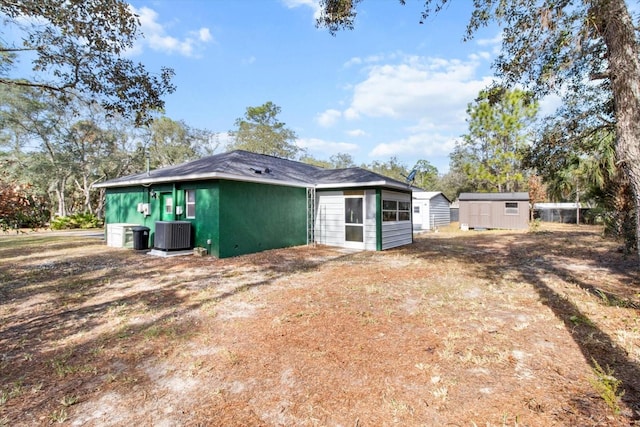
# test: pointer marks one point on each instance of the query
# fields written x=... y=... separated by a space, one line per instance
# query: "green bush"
x=78 y=220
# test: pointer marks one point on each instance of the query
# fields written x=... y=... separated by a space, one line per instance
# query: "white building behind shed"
x=430 y=210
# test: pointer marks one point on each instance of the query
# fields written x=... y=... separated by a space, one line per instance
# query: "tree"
x=78 y=48
x=453 y=183
x=169 y=142
x=426 y=176
x=341 y=161
x=577 y=160
x=551 y=46
x=491 y=152
x=261 y=132
x=19 y=208
x=28 y=114
x=310 y=160
x=392 y=168
x=537 y=192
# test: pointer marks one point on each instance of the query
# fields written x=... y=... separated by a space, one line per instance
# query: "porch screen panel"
x=354 y=219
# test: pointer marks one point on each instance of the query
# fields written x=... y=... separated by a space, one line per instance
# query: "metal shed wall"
x=432 y=211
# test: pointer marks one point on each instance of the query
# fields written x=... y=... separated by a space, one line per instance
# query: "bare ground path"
x=460 y=329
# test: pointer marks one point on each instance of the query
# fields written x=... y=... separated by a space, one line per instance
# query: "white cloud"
x=418 y=88
x=549 y=104
x=420 y=145
x=357 y=132
x=313 y=4
x=356 y=60
x=495 y=43
x=204 y=34
x=328 y=118
x=156 y=37
x=497 y=40
x=326 y=147
x=371 y=59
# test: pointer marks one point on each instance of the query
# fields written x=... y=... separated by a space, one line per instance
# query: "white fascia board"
x=200 y=177
x=361 y=184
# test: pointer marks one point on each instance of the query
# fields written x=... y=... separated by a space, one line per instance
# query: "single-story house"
x=241 y=202
x=494 y=210
x=430 y=210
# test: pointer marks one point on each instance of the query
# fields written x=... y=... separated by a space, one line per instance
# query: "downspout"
x=174 y=196
x=378 y=219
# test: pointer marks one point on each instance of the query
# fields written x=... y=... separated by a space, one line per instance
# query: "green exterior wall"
x=258 y=217
x=236 y=217
x=121 y=206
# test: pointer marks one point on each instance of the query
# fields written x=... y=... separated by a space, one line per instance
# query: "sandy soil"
x=471 y=328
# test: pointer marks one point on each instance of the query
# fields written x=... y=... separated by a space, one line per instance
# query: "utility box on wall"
x=144 y=209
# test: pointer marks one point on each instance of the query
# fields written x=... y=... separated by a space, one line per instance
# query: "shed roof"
x=428 y=195
x=240 y=165
x=517 y=196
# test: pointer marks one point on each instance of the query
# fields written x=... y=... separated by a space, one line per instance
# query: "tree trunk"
x=624 y=69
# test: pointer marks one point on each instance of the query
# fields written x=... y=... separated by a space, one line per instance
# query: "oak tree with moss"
x=77 y=48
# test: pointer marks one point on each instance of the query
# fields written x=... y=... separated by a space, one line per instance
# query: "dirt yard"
x=458 y=329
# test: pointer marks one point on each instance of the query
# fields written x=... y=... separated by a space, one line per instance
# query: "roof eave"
x=326 y=186
x=199 y=177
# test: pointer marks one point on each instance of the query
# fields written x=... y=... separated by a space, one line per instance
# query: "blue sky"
x=391 y=87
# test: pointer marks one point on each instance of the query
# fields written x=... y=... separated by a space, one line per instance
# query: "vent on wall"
x=172 y=235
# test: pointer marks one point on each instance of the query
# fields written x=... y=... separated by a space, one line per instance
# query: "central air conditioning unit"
x=172 y=235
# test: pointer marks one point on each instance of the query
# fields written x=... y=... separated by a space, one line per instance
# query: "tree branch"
x=16 y=49
x=25 y=83
x=600 y=76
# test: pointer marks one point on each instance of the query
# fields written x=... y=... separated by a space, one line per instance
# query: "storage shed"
x=494 y=210
x=242 y=202
x=430 y=210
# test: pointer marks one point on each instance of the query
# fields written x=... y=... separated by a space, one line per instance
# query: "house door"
x=354 y=221
x=166 y=207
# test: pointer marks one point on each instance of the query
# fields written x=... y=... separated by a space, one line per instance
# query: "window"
x=168 y=205
x=389 y=210
x=404 y=211
x=416 y=209
x=190 y=197
x=511 y=208
x=394 y=210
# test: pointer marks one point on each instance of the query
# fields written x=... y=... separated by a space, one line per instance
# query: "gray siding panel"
x=329 y=223
x=396 y=233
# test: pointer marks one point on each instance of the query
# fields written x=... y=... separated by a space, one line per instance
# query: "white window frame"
x=190 y=206
x=168 y=205
x=509 y=209
x=396 y=211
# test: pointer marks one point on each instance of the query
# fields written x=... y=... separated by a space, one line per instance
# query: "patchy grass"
x=495 y=328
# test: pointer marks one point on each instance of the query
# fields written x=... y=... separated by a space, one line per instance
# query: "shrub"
x=21 y=208
x=78 y=220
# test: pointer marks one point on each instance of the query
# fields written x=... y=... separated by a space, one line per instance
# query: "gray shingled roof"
x=246 y=166
x=520 y=196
